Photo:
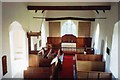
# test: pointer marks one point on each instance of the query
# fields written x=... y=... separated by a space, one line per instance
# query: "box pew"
x=38 y=61
x=42 y=73
x=45 y=71
x=93 y=75
x=89 y=57
x=38 y=72
x=90 y=66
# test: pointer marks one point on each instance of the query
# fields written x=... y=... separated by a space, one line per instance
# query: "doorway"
x=18 y=49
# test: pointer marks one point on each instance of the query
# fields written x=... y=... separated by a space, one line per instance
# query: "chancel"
x=59 y=40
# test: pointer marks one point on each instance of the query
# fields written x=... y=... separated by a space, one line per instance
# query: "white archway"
x=69 y=27
x=18 y=49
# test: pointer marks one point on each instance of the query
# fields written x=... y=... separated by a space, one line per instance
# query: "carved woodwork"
x=68 y=38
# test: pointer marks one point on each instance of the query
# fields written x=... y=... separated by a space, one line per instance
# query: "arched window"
x=68 y=27
x=97 y=38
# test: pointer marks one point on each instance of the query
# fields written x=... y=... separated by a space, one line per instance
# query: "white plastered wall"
x=0 y=40
x=35 y=24
x=12 y=12
x=119 y=48
x=106 y=33
x=16 y=11
x=114 y=52
x=79 y=14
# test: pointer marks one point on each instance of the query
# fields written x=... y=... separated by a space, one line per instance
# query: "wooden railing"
x=81 y=50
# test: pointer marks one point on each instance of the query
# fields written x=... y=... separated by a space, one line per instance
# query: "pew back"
x=90 y=66
x=89 y=57
x=38 y=72
x=93 y=75
x=33 y=60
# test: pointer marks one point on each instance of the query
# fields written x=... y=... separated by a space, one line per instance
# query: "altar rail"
x=88 y=50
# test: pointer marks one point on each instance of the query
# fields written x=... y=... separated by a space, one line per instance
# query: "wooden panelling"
x=84 y=29
x=80 y=41
x=83 y=42
x=4 y=65
x=54 y=29
x=55 y=41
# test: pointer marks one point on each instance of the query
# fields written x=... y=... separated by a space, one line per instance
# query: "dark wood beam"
x=69 y=7
x=70 y=18
x=29 y=34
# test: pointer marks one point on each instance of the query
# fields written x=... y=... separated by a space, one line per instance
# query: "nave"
x=75 y=66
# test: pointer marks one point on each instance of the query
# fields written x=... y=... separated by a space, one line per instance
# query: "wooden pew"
x=44 y=72
x=105 y=76
x=89 y=57
x=82 y=75
x=43 y=62
x=90 y=66
x=93 y=75
x=33 y=60
x=38 y=72
x=41 y=73
x=38 y=61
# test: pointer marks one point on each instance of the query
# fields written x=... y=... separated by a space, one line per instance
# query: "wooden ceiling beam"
x=70 y=18
x=69 y=7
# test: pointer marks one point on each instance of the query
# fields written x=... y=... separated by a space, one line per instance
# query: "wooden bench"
x=45 y=72
x=92 y=75
x=89 y=57
x=90 y=66
x=38 y=61
x=38 y=72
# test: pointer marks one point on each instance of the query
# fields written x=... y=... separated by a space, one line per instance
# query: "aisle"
x=68 y=69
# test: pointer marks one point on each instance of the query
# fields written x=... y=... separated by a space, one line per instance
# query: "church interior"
x=59 y=40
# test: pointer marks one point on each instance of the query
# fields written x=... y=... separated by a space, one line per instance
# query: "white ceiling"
x=67 y=3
